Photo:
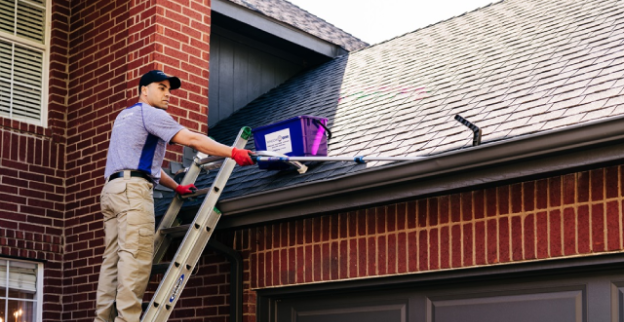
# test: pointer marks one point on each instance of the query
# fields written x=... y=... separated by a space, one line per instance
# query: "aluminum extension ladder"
x=196 y=235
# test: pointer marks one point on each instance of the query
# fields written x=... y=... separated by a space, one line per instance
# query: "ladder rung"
x=174 y=232
x=211 y=160
x=160 y=268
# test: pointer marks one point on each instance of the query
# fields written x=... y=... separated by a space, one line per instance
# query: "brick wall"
x=32 y=177
x=562 y=216
x=111 y=45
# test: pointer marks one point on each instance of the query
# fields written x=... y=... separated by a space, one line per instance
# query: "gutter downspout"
x=282 y=203
x=236 y=278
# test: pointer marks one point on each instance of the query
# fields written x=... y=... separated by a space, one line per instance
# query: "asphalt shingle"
x=514 y=68
x=291 y=14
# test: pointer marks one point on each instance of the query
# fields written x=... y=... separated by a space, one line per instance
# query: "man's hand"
x=242 y=157
x=183 y=190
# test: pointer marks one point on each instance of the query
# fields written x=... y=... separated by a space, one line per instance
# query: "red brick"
x=268 y=278
x=326 y=262
x=392 y=254
x=467 y=243
x=308 y=228
x=271 y=231
x=423 y=251
x=391 y=218
x=261 y=282
x=456 y=248
x=422 y=213
x=333 y=260
x=582 y=186
x=276 y=267
x=466 y=206
x=569 y=189
x=479 y=204
x=433 y=249
x=445 y=242
x=480 y=243
x=611 y=181
x=372 y=256
x=309 y=263
x=492 y=241
x=584 y=242
x=370 y=221
x=569 y=231
x=382 y=255
x=317 y=263
x=455 y=208
x=542 y=234
x=380 y=214
x=401 y=219
x=529 y=196
x=503 y=200
x=444 y=209
x=316 y=229
x=598 y=228
x=516 y=238
x=292 y=229
x=362 y=257
x=490 y=203
x=516 y=198
x=351 y=224
x=412 y=250
x=402 y=253
x=299 y=232
x=529 y=236
x=555 y=233
x=333 y=226
x=352 y=270
x=433 y=211
x=613 y=226
x=597 y=184
x=541 y=194
x=361 y=222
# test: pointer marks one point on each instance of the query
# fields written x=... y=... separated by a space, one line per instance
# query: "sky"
x=374 y=21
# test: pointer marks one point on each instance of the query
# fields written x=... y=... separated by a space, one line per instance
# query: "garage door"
x=585 y=295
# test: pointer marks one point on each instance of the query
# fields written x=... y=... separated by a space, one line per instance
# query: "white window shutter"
x=30 y=21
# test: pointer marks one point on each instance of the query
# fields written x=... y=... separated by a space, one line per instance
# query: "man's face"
x=157 y=94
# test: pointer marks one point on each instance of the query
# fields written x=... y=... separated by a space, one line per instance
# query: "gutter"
x=552 y=151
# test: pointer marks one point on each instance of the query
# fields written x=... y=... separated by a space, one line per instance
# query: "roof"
x=515 y=68
x=292 y=15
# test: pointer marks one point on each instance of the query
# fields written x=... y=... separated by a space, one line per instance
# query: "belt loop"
x=127 y=175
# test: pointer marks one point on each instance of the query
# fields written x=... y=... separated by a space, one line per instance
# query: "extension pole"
x=265 y=156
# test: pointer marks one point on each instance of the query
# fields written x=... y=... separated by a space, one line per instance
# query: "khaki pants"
x=128 y=209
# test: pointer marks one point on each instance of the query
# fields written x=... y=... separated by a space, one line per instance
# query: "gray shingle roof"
x=514 y=68
x=291 y=14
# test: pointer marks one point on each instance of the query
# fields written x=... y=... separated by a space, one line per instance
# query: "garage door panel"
x=541 y=305
x=618 y=301
x=387 y=311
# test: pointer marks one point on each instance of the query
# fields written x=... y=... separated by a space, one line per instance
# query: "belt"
x=139 y=174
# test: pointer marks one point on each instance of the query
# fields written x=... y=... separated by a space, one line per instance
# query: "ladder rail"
x=193 y=244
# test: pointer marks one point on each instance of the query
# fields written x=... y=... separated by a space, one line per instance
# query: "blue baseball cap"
x=157 y=76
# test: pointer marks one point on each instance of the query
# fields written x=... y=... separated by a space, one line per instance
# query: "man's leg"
x=136 y=248
x=107 y=283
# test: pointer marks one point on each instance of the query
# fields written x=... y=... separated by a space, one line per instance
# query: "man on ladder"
x=133 y=167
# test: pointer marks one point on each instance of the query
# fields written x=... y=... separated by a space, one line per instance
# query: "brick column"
x=173 y=36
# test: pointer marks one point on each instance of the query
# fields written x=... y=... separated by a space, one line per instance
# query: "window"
x=21 y=293
x=24 y=52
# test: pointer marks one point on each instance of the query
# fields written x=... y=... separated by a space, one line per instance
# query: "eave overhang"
x=276 y=28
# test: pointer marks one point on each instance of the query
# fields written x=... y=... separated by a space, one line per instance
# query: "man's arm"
x=202 y=143
x=166 y=180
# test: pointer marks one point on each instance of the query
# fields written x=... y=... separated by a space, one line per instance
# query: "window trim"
x=45 y=66
x=39 y=298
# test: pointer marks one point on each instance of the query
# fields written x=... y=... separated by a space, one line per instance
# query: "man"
x=133 y=167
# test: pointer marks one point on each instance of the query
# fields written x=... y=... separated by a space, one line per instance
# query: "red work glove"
x=241 y=156
x=183 y=190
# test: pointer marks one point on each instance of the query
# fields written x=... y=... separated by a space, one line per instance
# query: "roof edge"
x=566 y=148
x=277 y=28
